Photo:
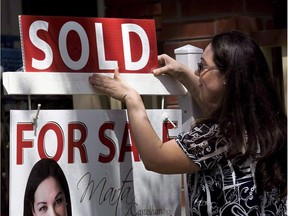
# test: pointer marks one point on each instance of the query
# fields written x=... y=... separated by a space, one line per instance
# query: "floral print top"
x=222 y=186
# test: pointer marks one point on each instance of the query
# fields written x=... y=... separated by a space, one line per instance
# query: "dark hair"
x=43 y=169
x=252 y=113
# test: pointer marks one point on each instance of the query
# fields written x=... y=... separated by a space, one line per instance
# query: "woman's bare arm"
x=157 y=156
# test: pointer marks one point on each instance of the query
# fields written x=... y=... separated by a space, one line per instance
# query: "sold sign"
x=77 y=44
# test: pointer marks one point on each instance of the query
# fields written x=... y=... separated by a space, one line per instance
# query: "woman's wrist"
x=131 y=96
x=123 y=98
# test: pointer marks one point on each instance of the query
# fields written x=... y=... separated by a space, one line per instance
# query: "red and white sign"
x=82 y=44
x=95 y=150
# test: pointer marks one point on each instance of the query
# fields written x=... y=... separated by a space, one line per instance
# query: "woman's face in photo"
x=49 y=199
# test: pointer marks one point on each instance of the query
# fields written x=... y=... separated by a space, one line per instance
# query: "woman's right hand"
x=115 y=87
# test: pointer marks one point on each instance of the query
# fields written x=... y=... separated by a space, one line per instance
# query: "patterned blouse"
x=222 y=186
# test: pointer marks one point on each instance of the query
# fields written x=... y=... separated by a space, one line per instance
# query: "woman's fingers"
x=94 y=79
x=114 y=87
x=116 y=73
x=99 y=82
x=160 y=70
x=164 y=62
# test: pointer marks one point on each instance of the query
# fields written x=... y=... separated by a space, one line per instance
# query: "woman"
x=235 y=158
x=47 y=191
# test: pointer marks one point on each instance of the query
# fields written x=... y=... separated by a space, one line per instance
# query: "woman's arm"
x=166 y=158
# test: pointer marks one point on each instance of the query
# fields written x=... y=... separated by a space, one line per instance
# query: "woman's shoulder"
x=203 y=136
x=203 y=130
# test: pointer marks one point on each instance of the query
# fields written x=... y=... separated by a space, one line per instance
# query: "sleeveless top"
x=223 y=186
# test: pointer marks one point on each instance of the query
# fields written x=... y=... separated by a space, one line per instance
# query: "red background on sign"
x=113 y=44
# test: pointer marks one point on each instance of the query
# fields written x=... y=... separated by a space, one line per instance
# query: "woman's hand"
x=184 y=74
x=115 y=87
x=168 y=65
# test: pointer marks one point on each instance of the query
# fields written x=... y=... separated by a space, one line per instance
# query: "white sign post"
x=189 y=56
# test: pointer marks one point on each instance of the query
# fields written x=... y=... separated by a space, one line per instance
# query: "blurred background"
x=178 y=23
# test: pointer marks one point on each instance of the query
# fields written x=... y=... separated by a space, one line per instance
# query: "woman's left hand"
x=115 y=87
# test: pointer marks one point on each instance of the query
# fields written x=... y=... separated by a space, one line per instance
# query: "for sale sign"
x=83 y=44
x=84 y=162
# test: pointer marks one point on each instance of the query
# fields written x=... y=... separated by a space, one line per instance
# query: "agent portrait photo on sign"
x=47 y=191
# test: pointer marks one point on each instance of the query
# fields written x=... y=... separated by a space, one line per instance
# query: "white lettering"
x=40 y=44
x=103 y=63
x=141 y=63
x=79 y=64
